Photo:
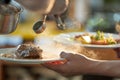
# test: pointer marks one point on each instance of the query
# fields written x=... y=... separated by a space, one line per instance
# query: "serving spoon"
x=40 y=26
x=60 y=23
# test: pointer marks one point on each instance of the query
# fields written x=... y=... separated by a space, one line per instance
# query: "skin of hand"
x=76 y=64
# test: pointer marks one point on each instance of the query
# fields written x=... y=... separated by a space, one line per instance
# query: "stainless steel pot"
x=9 y=16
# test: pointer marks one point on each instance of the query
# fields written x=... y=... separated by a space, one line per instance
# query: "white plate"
x=50 y=57
x=68 y=39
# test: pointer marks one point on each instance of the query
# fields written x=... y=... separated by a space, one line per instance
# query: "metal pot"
x=9 y=16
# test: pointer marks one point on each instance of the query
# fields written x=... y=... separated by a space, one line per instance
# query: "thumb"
x=72 y=56
x=67 y=56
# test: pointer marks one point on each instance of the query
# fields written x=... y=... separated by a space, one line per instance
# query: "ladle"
x=40 y=26
x=60 y=23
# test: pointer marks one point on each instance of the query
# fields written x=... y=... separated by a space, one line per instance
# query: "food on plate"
x=28 y=51
x=84 y=38
x=99 y=39
x=7 y=55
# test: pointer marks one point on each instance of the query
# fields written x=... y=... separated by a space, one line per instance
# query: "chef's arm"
x=77 y=64
x=106 y=68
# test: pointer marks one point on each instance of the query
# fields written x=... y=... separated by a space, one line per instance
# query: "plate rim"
x=86 y=45
x=26 y=61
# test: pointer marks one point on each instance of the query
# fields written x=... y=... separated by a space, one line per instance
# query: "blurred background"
x=82 y=15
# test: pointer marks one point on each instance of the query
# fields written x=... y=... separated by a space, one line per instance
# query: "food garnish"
x=99 y=38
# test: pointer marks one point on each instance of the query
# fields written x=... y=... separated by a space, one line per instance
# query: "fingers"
x=60 y=68
x=73 y=62
x=50 y=65
x=59 y=65
x=72 y=57
x=67 y=56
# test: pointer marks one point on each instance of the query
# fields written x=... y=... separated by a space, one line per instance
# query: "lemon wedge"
x=86 y=39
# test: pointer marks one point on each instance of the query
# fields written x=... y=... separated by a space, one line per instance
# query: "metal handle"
x=60 y=23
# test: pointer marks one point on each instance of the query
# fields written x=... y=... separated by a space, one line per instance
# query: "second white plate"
x=68 y=39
